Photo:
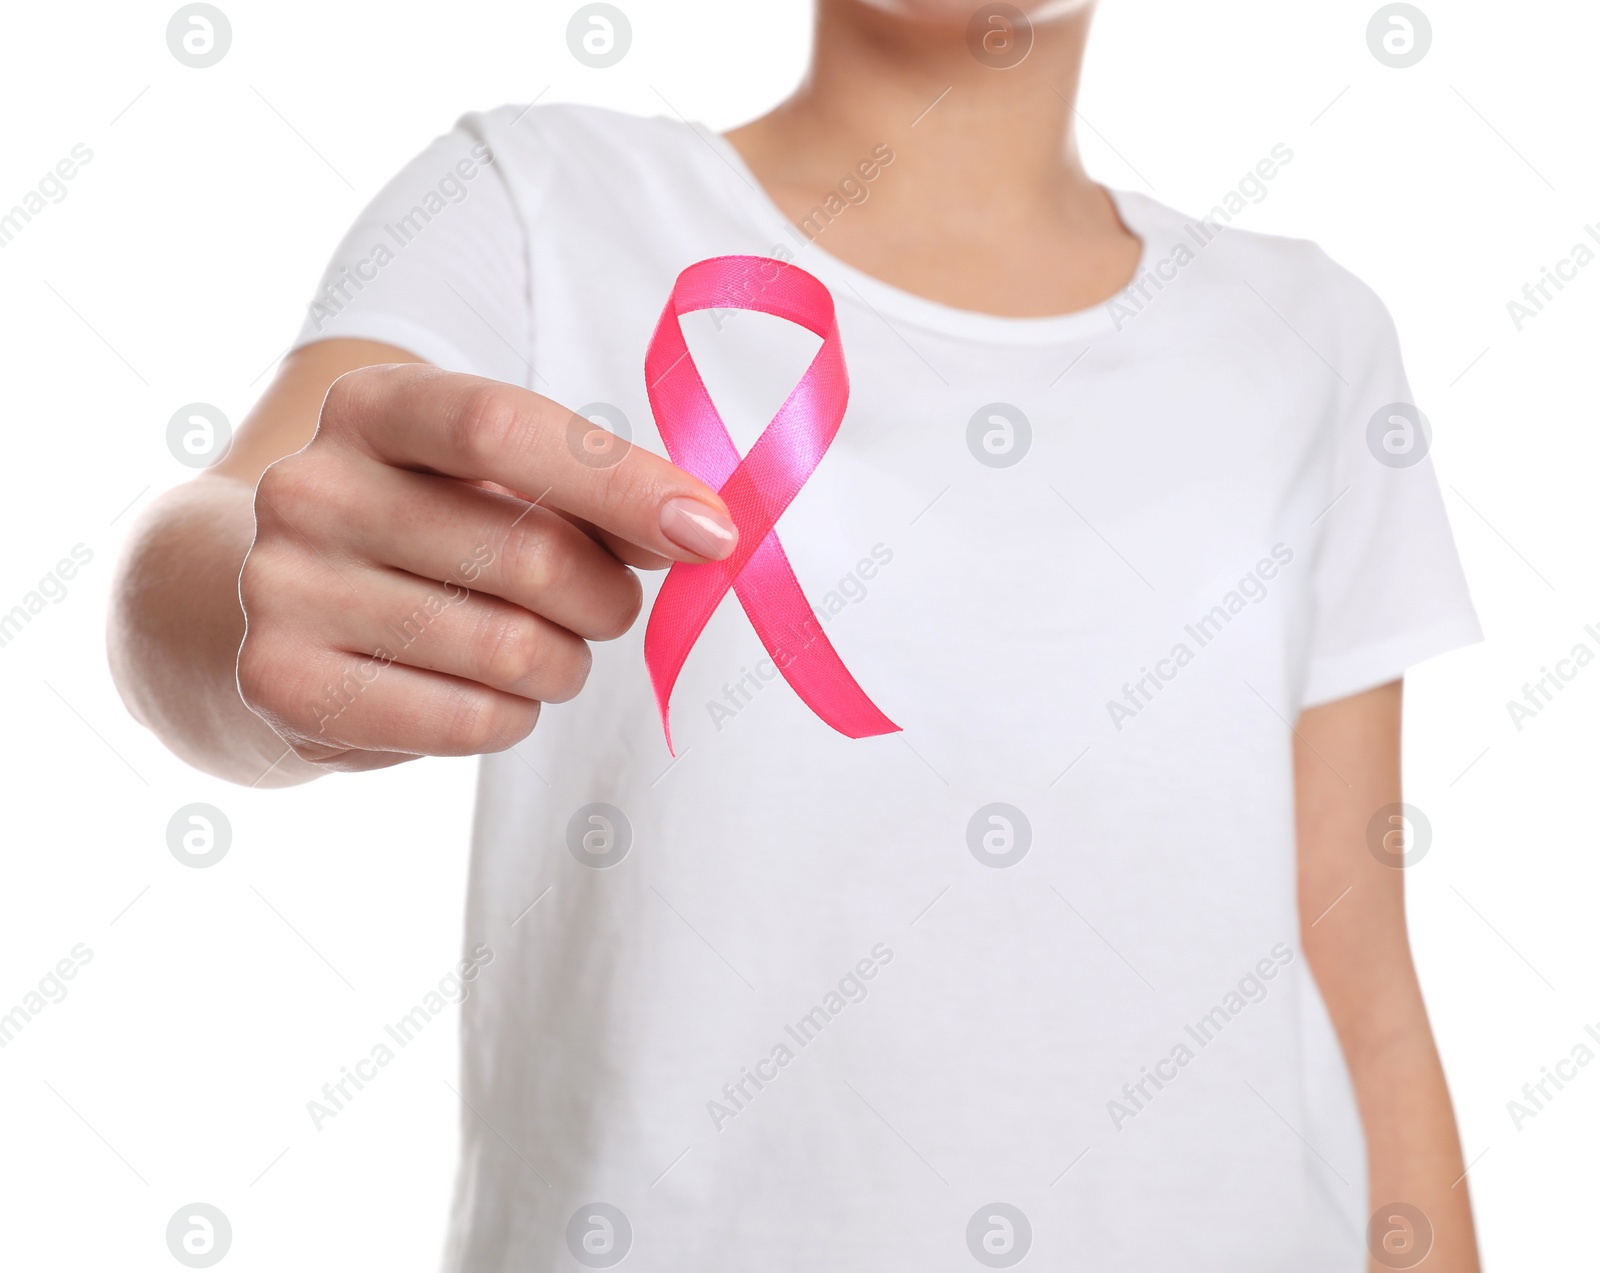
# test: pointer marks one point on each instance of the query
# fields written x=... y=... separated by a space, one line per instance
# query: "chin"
x=962 y=10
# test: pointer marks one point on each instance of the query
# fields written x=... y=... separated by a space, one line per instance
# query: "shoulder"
x=1293 y=277
x=565 y=132
x=578 y=157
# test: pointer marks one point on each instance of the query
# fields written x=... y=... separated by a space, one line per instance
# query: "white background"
x=219 y=1001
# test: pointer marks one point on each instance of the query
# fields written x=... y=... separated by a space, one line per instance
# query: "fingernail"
x=698 y=528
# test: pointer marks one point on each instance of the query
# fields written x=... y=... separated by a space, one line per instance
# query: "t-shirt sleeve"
x=436 y=264
x=1387 y=584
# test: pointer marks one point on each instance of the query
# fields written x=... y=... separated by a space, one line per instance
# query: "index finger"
x=415 y=416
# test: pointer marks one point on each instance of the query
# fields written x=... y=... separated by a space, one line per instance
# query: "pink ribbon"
x=756 y=489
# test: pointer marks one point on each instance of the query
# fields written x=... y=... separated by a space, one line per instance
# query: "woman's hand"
x=390 y=561
x=400 y=600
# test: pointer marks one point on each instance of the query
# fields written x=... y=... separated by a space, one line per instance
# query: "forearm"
x=1413 y=1150
x=1353 y=929
x=175 y=628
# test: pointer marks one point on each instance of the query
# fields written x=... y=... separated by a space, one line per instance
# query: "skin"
x=1353 y=928
x=364 y=485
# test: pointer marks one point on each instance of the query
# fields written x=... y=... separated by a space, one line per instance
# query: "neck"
x=1001 y=137
x=984 y=204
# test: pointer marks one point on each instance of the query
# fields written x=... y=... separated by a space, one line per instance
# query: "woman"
x=1098 y=958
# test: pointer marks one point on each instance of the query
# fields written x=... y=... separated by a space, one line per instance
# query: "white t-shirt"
x=1024 y=979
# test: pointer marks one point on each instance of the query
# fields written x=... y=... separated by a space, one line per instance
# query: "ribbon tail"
x=792 y=634
x=689 y=596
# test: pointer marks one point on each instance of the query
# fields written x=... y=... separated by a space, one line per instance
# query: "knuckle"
x=514 y=720
x=622 y=607
x=274 y=684
x=289 y=493
x=255 y=587
x=350 y=399
x=476 y=723
x=574 y=676
x=274 y=591
x=487 y=426
x=535 y=559
x=326 y=704
x=509 y=649
x=257 y=670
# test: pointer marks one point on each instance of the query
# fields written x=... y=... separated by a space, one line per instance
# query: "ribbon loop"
x=757 y=488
